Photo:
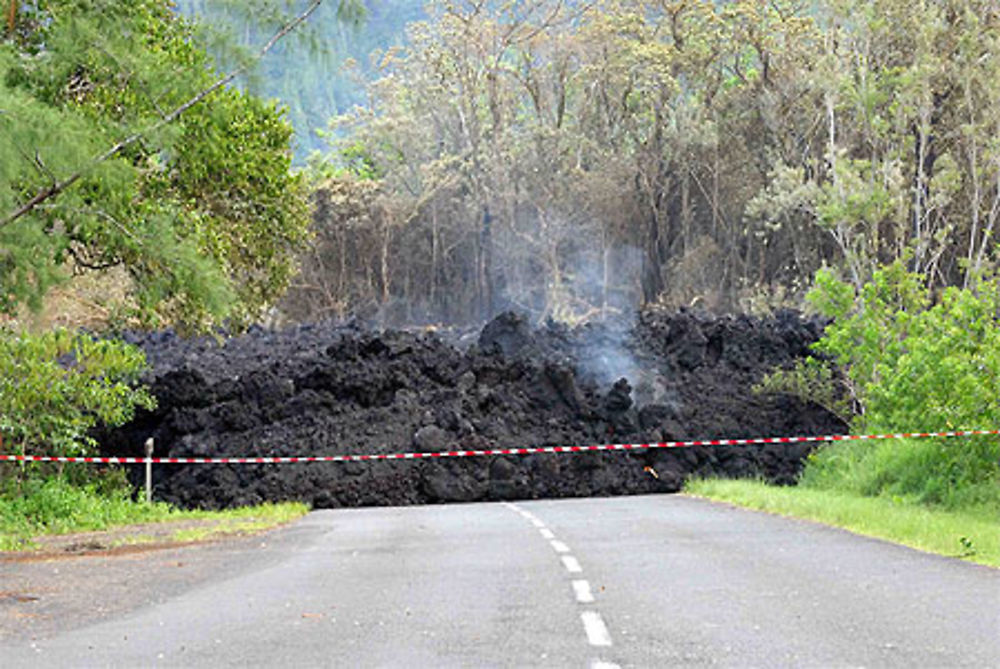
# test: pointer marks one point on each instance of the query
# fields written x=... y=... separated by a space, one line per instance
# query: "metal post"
x=149 y=470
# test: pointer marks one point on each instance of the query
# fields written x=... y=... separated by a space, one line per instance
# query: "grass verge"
x=184 y=527
x=971 y=535
x=55 y=507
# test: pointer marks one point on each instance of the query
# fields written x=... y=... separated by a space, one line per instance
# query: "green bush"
x=914 y=366
x=56 y=386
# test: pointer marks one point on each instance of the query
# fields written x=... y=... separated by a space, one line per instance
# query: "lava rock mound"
x=342 y=389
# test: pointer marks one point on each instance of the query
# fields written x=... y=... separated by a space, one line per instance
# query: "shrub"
x=914 y=366
x=56 y=386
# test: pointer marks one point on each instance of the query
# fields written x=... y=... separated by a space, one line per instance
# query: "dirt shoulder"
x=79 y=579
x=136 y=538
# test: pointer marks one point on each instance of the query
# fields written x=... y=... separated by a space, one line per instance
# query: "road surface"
x=653 y=581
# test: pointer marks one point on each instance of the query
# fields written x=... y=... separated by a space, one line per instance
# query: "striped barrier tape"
x=491 y=451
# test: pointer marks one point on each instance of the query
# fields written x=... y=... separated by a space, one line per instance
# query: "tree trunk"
x=652 y=277
x=606 y=275
x=486 y=265
x=920 y=189
x=11 y=17
x=384 y=265
x=686 y=213
x=434 y=253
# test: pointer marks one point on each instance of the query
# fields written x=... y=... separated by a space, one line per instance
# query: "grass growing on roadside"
x=971 y=534
x=263 y=517
x=234 y=522
x=56 y=506
x=238 y=521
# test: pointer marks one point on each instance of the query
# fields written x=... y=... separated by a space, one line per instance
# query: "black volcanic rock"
x=339 y=389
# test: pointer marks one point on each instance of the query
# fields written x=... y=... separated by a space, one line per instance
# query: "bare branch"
x=42 y=167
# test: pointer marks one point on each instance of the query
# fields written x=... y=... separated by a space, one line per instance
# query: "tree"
x=903 y=163
x=117 y=160
x=322 y=71
x=56 y=386
x=682 y=151
x=462 y=126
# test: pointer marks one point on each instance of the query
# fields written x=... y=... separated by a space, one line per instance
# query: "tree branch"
x=60 y=186
x=11 y=17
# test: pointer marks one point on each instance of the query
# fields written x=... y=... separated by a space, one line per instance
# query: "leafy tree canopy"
x=56 y=386
x=99 y=169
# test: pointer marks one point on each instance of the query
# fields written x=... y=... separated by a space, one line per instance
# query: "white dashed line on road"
x=593 y=624
x=597 y=631
x=582 y=590
x=571 y=564
x=559 y=546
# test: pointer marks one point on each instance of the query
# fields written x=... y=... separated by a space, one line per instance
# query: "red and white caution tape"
x=494 y=451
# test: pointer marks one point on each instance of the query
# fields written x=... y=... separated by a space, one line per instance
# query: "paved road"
x=643 y=581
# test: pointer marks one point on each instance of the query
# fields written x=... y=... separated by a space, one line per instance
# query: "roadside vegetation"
x=969 y=535
x=898 y=361
x=125 y=162
x=61 y=504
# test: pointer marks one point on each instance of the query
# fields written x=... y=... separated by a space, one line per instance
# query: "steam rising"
x=589 y=286
x=600 y=298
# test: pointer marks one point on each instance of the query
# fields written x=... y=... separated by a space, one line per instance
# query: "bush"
x=813 y=379
x=55 y=387
x=913 y=366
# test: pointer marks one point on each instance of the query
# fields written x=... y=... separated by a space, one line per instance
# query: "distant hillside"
x=311 y=81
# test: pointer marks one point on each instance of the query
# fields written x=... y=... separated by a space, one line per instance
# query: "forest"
x=576 y=159
x=440 y=163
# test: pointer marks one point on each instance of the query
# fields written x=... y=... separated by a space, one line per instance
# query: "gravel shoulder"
x=125 y=539
x=79 y=579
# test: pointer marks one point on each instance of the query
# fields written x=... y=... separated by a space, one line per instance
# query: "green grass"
x=953 y=474
x=972 y=535
x=265 y=516
x=235 y=522
x=55 y=506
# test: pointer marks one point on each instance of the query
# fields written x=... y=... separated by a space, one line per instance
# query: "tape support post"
x=491 y=451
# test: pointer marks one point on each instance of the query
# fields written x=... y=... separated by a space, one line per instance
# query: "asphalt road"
x=653 y=581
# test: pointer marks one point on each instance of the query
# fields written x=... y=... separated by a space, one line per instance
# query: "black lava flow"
x=343 y=389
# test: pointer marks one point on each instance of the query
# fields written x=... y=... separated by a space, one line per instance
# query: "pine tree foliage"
x=200 y=209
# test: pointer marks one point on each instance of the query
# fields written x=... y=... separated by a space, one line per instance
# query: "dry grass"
x=91 y=300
